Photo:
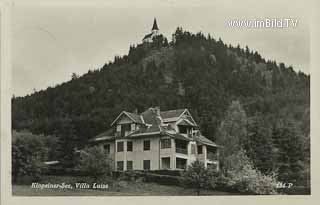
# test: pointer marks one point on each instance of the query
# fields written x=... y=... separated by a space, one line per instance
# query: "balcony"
x=212 y=156
x=181 y=150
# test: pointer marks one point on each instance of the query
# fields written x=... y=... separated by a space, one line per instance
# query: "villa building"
x=155 y=140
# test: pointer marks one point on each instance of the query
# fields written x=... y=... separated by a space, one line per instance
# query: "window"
x=129 y=146
x=129 y=165
x=133 y=127
x=119 y=146
x=125 y=128
x=106 y=148
x=193 y=149
x=183 y=129
x=118 y=128
x=165 y=143
x=146 y=164
x=200 y=149
x=181 y=163
x=120 y=165
x=146 y=145
x=165 y=162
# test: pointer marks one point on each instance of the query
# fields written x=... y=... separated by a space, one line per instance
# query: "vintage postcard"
x=155 y=98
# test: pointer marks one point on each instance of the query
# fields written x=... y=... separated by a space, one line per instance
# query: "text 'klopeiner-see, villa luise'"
x=155 y=140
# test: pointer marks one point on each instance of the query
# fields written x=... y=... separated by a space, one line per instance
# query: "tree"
x=28 y=154
x=96 y=162
x=198 y=177
x=243 y=177
x=290 y=151
x=68 y=142
x=259 y=146
x=232 y=132
x=74 y=76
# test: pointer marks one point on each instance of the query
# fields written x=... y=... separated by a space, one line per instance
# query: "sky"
x=50 y=41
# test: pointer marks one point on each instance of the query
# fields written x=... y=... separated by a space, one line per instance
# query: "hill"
x=192 y=71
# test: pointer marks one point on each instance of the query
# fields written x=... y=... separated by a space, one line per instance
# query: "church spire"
x=155 y=25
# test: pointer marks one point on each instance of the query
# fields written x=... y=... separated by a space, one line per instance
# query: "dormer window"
x=125 y=129
x=183 y=129
x=118 y=128
x=133 y=127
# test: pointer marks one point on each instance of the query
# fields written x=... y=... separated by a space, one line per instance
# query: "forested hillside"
x=192 y=71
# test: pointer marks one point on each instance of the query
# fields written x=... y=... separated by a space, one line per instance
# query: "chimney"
x=135 y=111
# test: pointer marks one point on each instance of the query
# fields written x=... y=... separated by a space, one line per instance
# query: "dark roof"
x=147 y=36
x=171 y=113
x=186 y=122
x=150 y=117
x=135 y=117
x=204 y=140
x=106 y=135
x=145 y=131
x=155 y=25
x=180 y=137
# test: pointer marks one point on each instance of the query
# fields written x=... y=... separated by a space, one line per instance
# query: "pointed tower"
x=154 y=32
x=155 y=28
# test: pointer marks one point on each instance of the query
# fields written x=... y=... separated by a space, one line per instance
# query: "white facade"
x=171 y=144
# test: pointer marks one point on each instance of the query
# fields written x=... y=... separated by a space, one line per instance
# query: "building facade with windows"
x=155 y=140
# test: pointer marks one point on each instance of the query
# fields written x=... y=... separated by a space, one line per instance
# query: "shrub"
x=245 y=178
x=28 y=153
x=96 y=162
x=198 y=177
x=162 y=179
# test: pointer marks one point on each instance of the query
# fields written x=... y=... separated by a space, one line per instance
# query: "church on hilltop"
x=154 y=32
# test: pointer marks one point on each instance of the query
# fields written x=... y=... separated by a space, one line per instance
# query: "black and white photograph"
x=160 y=98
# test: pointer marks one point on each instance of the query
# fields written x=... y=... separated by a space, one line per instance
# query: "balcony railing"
x=181 y=150
x=212 y=156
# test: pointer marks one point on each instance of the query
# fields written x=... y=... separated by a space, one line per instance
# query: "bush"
x=28 y=154
x=96 y=162
x=198 y=177
x=162 y=179
x=244 y=178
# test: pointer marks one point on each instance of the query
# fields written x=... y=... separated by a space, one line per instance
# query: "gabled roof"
x=175 y=115
x=172 y=113
x=204 y=140
x=134 y=117
x=155 y=129
x=106 y=135
x=155 y=25
x=186 y=122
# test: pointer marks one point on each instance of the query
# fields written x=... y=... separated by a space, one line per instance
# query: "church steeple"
x=155 y=25
x=154 y=32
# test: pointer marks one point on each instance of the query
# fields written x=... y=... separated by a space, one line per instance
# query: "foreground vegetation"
x=143 y=189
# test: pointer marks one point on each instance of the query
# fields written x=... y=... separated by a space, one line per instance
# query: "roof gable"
x=132 y=116
x=175 y=115
x=171 y=113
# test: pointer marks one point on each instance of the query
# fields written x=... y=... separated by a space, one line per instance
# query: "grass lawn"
x=133 y=189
